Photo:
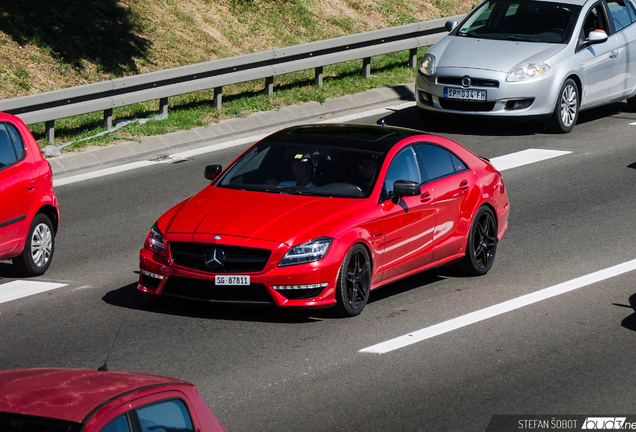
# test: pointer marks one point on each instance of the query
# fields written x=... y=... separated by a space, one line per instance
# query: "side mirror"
x=596 y=37
x=402 y=188
x=450 y=25
x=212 y=171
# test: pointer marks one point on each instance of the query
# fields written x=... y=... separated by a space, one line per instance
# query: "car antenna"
x=104 y=367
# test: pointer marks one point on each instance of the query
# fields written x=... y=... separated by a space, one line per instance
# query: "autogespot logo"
x=214 y=258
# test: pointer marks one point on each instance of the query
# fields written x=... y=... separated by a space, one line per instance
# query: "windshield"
x=530 y=21
x=26 y=423
x=305 y=169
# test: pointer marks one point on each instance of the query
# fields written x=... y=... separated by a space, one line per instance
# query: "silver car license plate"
x=231 y=280
x=463 y=94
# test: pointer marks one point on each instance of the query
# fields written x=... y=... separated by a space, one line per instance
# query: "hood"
x=488 y=54
x=266 y=216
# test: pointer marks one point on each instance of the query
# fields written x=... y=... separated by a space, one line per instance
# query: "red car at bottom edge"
x=74 y=400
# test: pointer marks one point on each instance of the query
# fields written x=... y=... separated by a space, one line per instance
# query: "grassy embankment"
x=51 y=45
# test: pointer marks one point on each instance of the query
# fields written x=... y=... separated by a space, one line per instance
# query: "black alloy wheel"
x=481 y=247
x=354 y=282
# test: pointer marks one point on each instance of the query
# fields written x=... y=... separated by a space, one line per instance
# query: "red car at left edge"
x=29 y=214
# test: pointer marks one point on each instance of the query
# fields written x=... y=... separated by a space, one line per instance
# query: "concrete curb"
x=92 y=158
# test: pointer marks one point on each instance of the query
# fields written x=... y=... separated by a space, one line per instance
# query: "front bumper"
x=310 y=285
x=536 y=98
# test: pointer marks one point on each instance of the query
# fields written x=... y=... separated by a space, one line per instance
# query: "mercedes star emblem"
x=214 y=258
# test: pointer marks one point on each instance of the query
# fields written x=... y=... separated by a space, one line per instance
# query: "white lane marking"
x=370 y=113
x=499 y=309
x=525 y=157
x=169 y=159
x=18 y=289
x=210 y=149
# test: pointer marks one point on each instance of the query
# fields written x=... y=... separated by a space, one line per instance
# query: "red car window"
x=167 y=415
x=8 y=155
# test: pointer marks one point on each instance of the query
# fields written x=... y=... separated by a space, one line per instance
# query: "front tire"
x=481 y=247
x=36 y=257
x=354 y=282
x=566 y=111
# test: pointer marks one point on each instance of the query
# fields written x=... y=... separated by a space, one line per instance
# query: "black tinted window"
x=436 y=161
x=403 y=167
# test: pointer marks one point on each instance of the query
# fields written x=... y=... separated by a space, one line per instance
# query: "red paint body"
x=26 y=188
x=418 y=233
x=92 y=398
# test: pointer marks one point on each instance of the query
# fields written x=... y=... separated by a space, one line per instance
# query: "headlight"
x=155 y=240
x=306 y=252
x=428 y=65
x=527 y=71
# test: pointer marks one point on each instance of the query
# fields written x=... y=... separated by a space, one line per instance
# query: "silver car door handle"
x=614 y=54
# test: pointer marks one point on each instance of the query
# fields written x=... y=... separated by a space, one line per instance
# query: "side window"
x=8 y=154
x=18 y=144
x=120 y=424
x=620 y=14
x=171 y=415
x=437 y=161
x=594 y=21
x=403 y=167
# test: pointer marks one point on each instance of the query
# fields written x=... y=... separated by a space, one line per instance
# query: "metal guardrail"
x=104 y=96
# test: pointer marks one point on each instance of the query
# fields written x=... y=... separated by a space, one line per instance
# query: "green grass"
x=196 y=109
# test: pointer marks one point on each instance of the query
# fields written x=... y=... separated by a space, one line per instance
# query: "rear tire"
x=632 y=103
x=481 y=247
x=354 y=282
x=566 y=111
x=36 y=257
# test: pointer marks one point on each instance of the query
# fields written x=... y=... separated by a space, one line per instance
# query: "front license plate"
x=231 y=280
x=463 y=94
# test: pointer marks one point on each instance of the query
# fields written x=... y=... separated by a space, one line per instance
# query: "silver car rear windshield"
x=528 y=21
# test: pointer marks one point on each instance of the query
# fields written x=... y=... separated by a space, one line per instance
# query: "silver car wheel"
x=41 y=245
x=569 y=105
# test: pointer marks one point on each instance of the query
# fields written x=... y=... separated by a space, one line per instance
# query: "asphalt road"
x=276 y=370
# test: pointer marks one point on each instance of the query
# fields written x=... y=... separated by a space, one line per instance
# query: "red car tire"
x=38 y=248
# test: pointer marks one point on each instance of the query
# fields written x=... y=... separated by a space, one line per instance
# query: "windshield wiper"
x=522 y=39
x=293 y=190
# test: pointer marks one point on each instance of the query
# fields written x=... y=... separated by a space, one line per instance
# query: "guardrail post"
x=413 y=59
x=366 y=66
x=163 y=106
x=269 y=86
x=50 y=131
x=319 y=73
x=218 y=97
x=108 y=119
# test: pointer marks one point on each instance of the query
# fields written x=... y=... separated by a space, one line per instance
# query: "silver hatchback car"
x=545 y=60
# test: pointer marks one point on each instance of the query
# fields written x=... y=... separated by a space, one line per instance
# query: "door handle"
x=30 y=185
x=425 y=197
x=614 y=54
x=463 y=185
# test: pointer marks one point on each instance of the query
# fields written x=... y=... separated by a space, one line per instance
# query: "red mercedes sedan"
x=29 y=215
x=74 y=400
x=317 y=216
